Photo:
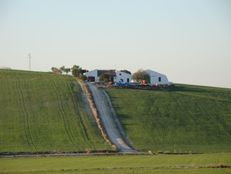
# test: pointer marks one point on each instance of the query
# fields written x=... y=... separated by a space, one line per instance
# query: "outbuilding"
x=122 y=77
x=114 y=76
x=94 y=75
x=157 y=78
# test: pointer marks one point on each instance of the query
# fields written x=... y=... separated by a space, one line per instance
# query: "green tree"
x=62 y=69
x=76 y=70
x=67 y=70
x=83 y=71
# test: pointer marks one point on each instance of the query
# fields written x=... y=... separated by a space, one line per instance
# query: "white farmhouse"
x=157 y=78
x=114 y=76
x=122 y=77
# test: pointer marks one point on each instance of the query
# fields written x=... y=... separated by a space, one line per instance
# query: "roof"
x=108 y=72
x=153 y=72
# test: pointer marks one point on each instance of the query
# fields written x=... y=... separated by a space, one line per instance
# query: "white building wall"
x=93 y=73
x=122 y=77
x=157 y=78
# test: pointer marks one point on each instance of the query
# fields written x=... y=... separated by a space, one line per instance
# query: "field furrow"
x=77 y=103
x=25 y=115
x=184 y=119
x=63 y=115
x=41 y=112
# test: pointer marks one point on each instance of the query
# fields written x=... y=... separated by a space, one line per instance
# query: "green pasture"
x=184 y=118
x=161 y=164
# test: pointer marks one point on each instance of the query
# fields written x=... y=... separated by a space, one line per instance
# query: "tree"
x=76 y=70
x=83 y=71
x=137 y=76
x=67 y=70
x=56 y=70
x=141 y=75
x=62 y=69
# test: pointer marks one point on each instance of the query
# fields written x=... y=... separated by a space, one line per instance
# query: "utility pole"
x=29 y=57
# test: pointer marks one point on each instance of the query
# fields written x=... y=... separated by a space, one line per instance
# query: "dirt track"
x=109 y=120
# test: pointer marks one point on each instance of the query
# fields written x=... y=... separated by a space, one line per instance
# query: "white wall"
x=154 y=78
x=93 y=73
x=121 y=77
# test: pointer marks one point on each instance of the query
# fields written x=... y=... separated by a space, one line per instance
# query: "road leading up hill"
x=109 y=119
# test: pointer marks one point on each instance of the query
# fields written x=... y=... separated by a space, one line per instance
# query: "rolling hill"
x=43 y=112
x=184 y=119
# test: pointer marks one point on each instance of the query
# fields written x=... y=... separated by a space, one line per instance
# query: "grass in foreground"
x=163 y=164
x=42 y=112
x=185 y=119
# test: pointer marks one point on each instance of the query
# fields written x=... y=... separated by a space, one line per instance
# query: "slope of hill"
x=185 y=119
x=42 y=112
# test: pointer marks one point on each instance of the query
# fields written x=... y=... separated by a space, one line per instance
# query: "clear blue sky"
x=188 y=40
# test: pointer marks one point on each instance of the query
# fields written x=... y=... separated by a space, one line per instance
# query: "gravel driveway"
x=110 y=120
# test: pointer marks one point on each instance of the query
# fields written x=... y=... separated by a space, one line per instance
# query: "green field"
x=183 y=119
x=43 y=112
x=192 y=164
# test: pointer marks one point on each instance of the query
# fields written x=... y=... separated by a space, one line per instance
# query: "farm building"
x=114 y=76
x=122 y=77
x=94 y=75
x=157 y=78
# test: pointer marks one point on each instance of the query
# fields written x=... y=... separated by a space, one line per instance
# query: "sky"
x=188 y=40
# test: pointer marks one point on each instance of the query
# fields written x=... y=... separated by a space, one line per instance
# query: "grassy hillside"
x=42 y=112
x=184 y=119
x=158 y=164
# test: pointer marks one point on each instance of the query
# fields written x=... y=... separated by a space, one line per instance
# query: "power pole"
x=29 y=57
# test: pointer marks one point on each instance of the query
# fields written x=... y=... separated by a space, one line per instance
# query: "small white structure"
x=92 y=76
x=157 y=78
x=115 y=76
x=122 y=77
